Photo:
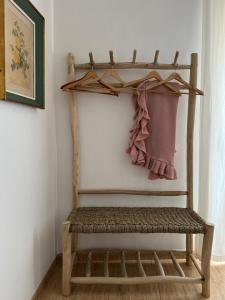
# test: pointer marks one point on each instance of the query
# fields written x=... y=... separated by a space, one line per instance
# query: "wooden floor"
x=52 y=290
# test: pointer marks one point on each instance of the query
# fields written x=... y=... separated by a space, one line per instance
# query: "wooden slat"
x=139 y=263
x=134 y=280
x=158 y=264
x=190 y=153
x=123 y=264
x=74 y=130
x=131 y=255
x=73 y=260
x=196 y=264
x=131 y=65
x=206 y=257
x=190 y=129
x=88 y=265
x=67 y=241
x=106 y=264
x=132 y=192
x=176 y=265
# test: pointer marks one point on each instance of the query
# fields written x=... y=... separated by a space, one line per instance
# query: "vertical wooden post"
x=206 y=257
x=67 y=259
x=74 y=129
x=190 y=136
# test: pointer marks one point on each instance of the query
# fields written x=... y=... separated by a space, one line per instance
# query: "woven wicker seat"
x=135 y=219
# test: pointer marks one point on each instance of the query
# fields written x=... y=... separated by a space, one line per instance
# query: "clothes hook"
x=91 y=60
x=134 y=56
x=111 y=58
x=156 y=57
x=176 y=58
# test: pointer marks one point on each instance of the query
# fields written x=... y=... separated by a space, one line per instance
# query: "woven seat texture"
x=135 y=219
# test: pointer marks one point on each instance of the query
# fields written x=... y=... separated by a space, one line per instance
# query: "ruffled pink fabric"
x=152 y=138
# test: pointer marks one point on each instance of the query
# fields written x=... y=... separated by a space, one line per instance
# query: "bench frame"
x=70 y=239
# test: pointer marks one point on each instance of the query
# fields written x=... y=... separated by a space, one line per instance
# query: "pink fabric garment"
x=152 y=139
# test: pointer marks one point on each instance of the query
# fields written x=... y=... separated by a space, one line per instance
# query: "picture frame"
x=22 y=61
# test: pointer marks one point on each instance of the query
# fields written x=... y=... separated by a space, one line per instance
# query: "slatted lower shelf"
x=124 y=259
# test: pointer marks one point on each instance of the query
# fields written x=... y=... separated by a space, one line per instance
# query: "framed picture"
x=21 y=53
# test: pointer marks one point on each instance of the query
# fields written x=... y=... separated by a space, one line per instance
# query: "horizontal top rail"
x=132 y=192
x=131 y=65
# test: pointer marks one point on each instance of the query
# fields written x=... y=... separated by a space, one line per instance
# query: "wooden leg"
x=67 y=259
x=206 y=256
x=189 y=248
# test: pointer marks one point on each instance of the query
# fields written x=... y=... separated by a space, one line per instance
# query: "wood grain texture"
x=67 y=259
x=131 y=192
x=206 y=256
x=165 y=291
x=74 y=131
x=131 y=65
x=190 y=129
x=47 y=277
x=2 y=51
x=190 y=153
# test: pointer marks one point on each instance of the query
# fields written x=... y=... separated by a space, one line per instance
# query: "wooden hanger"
x=89 y=77
x=177 y=77
x=113 y=74
x=152 y=75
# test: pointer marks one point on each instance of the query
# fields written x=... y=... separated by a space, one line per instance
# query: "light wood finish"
x=114 y=88
x=190 y=129
x=73 y=259
x=176 y=265
x=159 y=265
x=134 y=280
x=189 y=248
x=132 y=192
x=67 y=259
x=190 y=153
x=113 y=74
x=154 y=291
x=91 y=258
x=88 y=265
x=140 y=266
x=152 y=75
x=206 y=256
x=131 y=255
x=123 y=264
x=194 y=260
x=106 y=264
x=131 y=65
x=2 y=51
x=50 y=273
x=74 y=131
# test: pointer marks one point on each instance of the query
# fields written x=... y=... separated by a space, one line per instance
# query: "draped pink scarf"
x=152 y=138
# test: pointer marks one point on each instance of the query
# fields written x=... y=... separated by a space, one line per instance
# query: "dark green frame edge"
x=39 y=21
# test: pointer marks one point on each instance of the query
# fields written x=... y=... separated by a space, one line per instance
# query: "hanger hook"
x=111 y=59
x=175 y=61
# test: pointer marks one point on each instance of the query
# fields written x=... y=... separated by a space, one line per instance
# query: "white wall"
x=28 y=186
x=82 y=26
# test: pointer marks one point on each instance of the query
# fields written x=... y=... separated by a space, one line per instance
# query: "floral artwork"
x=19 y=52
x=22 y=52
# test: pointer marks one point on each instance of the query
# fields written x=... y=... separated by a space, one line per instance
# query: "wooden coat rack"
x=70 y=227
